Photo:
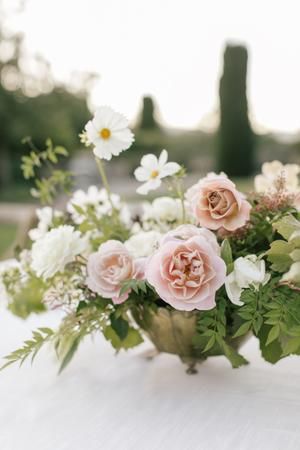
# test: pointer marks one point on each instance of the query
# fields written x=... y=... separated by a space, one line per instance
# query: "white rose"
x=248 y=271
x=143 y=243
x=58 y=247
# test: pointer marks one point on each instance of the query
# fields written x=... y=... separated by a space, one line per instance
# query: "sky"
x=172 y=50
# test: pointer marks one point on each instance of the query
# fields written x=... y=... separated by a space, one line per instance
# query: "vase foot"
x=192 y=370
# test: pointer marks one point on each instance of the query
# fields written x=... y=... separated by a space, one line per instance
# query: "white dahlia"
x=51 y=253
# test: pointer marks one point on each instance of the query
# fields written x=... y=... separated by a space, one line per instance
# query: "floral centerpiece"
x=196 y=271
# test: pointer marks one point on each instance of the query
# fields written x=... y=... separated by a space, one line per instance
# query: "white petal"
x=91 y=131
x=125 y=136
x=163 y=158
x=102 y=153
x=149 y=162
x=103 y=116
x=233 y=290
x=142 y=174
x=149 y=186
x=169 y=169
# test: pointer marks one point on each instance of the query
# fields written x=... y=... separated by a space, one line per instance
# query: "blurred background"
x=215 y=83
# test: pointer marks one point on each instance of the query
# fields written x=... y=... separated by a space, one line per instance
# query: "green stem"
x=105 y=181
x=181 y=198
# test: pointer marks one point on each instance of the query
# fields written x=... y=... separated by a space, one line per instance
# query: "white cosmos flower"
x=152 y=170
x=94 y=198
x=143 y=244
x=109 y=133
x=58 y=247
x=248 y=271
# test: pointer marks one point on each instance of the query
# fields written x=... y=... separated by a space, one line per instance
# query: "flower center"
x=154 y=174
x=104 y=133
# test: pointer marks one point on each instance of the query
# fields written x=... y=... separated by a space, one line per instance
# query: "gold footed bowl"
x=172 y=332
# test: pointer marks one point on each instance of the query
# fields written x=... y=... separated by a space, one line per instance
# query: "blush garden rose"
x=216 y=203
x=109 y=267
x=186 y=273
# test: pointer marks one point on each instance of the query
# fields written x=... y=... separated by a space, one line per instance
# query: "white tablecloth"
x=106 y=402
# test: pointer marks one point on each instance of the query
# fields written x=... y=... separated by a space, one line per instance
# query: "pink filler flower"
x=216 y=203
x=110 y=267
x=187 y=273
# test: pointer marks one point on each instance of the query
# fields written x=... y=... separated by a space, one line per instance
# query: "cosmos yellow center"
x=154 y=174
x=105 y=133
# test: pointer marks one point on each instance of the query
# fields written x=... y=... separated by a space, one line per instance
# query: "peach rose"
x=216 y=203
x=109 y=267
x=186 y=273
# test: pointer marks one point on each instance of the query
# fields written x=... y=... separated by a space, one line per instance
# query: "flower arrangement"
x=196 y=271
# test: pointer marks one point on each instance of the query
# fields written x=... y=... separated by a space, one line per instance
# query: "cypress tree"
x=236 y=139
x=147 y=116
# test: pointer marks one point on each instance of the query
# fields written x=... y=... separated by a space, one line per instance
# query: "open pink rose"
x=187 y=231
x=110 y=267
x=186 y=273
x=216 y=203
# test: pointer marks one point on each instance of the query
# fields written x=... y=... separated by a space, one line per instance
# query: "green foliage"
x=25 y=296
x=110 y=225
x=273 y=314
x=30 y=348
x=236 y=139
x=226 y=255
x=132 y=339
x=46 y=189
x=212 y=335
x=285 y=255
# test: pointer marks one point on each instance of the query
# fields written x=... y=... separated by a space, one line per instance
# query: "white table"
x=103 y=402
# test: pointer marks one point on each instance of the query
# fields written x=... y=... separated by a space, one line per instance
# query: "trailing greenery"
x=46 y=188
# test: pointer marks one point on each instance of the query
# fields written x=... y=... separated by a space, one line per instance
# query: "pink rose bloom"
x=216 y=203
x=186 y=273
x=109 y=267
x=187 y=231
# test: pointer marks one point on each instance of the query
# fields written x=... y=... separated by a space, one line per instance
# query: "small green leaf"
x=244 y=328
x=273 y=334
x=211 y=342
x=69 y=354
x=120 y=326
x=226 y=254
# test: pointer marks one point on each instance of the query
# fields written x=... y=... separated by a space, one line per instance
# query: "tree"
x=35 y=107
x=147 y=119
x=236 y=139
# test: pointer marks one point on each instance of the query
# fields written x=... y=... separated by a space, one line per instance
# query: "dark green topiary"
x=236 y=139
x=147 y=119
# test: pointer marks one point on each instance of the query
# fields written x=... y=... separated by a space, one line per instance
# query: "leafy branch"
x=30 y=348
x=46 y=188
x=211 y=335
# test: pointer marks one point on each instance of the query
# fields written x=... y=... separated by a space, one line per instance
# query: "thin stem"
x=105 y=181
x=181 y=198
